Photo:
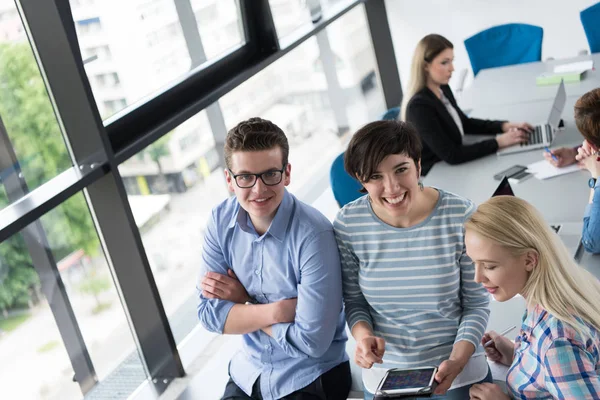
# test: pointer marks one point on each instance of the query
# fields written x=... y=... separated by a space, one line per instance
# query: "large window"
x=31 y=142
x=289 y=15
x=31 y=306
x=97 y=283
x=175 y=182
x=148 y=44
x=356 y=67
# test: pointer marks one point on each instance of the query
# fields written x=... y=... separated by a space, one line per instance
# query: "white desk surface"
x=516 y=83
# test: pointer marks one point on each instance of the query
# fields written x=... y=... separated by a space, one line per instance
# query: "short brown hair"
x=377 y=140
x=255 y=134
x=587 y=116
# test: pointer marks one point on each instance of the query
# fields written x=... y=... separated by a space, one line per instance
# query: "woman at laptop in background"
x=557 y=353
x=430 y=106
x=408 y=287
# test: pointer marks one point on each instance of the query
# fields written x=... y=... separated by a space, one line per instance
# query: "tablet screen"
x=407 y=379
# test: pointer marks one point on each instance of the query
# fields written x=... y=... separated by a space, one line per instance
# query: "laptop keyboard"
x=537 y=136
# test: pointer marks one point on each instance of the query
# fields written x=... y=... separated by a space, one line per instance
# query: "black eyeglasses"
x=269 y=178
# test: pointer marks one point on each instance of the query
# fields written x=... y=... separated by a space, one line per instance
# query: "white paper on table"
x=544 y=170
x=579 y=66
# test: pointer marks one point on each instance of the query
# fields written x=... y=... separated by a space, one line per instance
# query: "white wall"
x=457 y=20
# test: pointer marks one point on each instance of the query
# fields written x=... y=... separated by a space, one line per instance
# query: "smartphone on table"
x=414 y=381
x=510 y=172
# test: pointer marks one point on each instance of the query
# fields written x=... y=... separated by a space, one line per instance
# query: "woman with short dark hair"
x=409 y=293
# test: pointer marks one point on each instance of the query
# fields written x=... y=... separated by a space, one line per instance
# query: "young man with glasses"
x=271 y=272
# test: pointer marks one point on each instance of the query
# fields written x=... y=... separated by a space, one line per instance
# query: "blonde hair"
x=427 y=49
x=557 y=283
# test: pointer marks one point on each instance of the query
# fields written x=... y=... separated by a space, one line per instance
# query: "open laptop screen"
x=504 y=188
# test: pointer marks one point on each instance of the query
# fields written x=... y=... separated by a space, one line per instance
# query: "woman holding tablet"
x=557 y=353
x=408 y=286
x=430 y=106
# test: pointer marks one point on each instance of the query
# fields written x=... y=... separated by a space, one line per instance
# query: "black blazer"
x=440 y=135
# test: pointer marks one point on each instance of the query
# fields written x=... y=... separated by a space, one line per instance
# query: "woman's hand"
x=562 y=157
x=487 y=391
x=512 y=137
x=447 y=372
x=369 y=351
x=523 y=126
x=501 y=350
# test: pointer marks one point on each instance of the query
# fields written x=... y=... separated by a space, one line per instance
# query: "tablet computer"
x=414 y=381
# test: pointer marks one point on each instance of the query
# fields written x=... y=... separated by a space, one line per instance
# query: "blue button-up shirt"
x=296 y=257
x=591 y=224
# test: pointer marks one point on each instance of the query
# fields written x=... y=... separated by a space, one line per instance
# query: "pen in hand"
x=504 y=332
x=551 y=154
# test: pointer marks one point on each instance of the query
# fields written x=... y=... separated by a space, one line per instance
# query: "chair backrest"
x=505 y=45
x=391 y=114
x=590 y=19
x=345 y=188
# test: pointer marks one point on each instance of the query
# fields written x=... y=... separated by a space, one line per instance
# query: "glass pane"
x=173 y=185
x=40 y=367
x=289 y=15
x=356 y=68
x=294 y=95
x=31 y=142
x=220 y=25
x=132 y=49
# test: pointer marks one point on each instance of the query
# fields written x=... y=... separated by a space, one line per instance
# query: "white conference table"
x=510 y=93
x=516 y=83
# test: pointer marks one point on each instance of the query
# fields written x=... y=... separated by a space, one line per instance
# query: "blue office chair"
x=590 y=19
x=345 y=188
x=505 y=45
x=391 y=114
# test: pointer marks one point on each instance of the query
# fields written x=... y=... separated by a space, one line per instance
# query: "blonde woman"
x=556 y=354
x=430 y=106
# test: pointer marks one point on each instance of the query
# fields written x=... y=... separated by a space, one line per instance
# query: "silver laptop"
x=543 y=135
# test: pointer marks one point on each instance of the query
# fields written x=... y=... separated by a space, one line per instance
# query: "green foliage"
x=94 y=285
x=158 y=149
x=19 y=277
x=101 y=307
x=12 y=323
x=48 y=346
x=35 y=134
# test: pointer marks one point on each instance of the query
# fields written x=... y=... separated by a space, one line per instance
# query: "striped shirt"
x=553 y=361
x=414 y=286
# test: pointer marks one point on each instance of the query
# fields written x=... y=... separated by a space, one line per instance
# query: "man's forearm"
x=246 y=318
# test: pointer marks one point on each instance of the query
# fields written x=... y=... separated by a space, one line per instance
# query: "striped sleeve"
x=570 y=371
x=474 y=299
x=356 y=307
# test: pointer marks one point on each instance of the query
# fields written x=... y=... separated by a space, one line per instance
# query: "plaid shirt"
x=553 y=361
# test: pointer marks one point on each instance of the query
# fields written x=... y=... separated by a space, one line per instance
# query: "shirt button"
x=257 y=271
x=267 y=347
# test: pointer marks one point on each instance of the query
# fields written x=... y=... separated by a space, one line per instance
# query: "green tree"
x=94 y=285
x=156 y=151
x=36 y=137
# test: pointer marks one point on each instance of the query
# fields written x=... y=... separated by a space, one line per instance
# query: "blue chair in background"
x=505 y=45
x=590 y=19
x=391 y=114
x=345 y=188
